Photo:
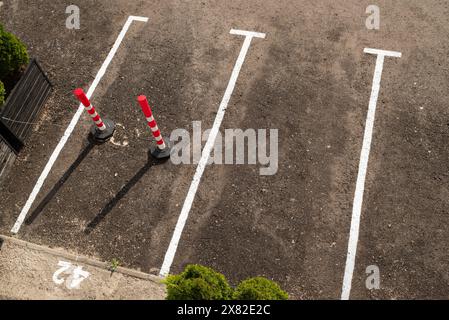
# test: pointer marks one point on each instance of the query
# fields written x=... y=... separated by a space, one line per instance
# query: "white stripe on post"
x=93 y=115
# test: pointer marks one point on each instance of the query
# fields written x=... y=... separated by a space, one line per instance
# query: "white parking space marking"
x=76 y=275
x=170 y=254
x=363 y=166
x=64 y=268
x=72 y=124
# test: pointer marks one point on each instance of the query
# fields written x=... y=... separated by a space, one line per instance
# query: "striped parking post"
x=163 y=146
x=102 y=130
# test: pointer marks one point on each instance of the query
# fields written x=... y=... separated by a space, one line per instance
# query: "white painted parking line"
x=170 y=254
x=72 y=124
x=363 y=166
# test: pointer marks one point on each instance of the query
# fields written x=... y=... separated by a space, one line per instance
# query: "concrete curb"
x=80 y=258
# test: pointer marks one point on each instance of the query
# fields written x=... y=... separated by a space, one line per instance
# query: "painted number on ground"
x=69 y=274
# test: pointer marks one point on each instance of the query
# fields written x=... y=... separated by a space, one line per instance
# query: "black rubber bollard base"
x=161 y=154
x=105 y=135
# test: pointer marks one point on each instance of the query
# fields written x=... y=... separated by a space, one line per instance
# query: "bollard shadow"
x=60 y=183
x=123 y=191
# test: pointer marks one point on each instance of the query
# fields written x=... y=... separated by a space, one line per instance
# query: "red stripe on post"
x=148 y=113
x=145 y=106
x=79 y=93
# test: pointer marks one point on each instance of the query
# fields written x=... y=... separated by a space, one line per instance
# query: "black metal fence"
x=21 y=109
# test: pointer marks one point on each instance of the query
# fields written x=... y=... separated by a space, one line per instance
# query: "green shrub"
x=13 y=54
x=198 y=283
x=2 y=94
x=259 y=288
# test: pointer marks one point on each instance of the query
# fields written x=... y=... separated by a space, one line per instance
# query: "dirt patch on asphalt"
x=29 y=271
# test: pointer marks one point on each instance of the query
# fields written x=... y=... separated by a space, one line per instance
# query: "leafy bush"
x=2 y=94
x=13 y=54
x=259 y=288
x=198 y=283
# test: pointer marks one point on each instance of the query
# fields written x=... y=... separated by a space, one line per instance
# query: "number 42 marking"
x=77 y=275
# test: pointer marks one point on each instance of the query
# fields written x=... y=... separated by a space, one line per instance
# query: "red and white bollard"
x=163 y=146
x=102 y=130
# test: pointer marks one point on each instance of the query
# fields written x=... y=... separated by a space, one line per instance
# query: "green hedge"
x=13 y=54
x=2 y=94
x=259 y=288
x=201 y=283
x=198 y=283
